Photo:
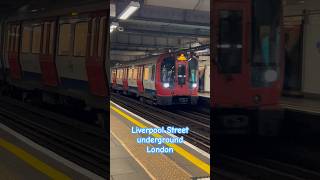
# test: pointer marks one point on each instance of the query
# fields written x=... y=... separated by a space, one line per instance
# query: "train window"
x=153 y=69
x=26 y=39
x=8 y=40
x=17 y=39
x=64 y=39
x=135 y=73
x=93 y=34
x=265 y=42
x=130 y=74
x=51 y=41
x=229 y=58
x=193 y=67
x=146 y=73
x=36 y=35
x=44 y=38
x=168 y=70
x=80 y=41
x=11 y=37
x=181 y=74
x=101 y=36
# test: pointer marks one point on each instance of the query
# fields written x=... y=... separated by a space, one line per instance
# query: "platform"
x=187 y=161
x=204 y=94
x=301 y=104
x=22 y=159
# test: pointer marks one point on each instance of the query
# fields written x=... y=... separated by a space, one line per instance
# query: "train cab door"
x=47 y=53
x=96 y=54
x=14 y=32
x=181 y=75
x=231 y=61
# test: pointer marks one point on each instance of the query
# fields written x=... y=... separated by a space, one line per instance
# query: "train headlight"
x=166 y=85
x=194 y=85
x=270 y=75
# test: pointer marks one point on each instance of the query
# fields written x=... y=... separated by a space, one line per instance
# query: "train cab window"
x=230 y=41
x=44 y=38
x=146 y=73
x=36 y=37
x=135 y=73
x=51 y=40
x=26 y=39
x=17 y=39
x=93 y=34
x=80 y=39
x=168 y=71
x=153 y=69
x=130 y=73
x=193 y=70
x=64 y=39
x=101 y=39
x=181 y=74
x=265 y=42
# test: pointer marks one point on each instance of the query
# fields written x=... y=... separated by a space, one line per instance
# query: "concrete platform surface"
x=21 y=158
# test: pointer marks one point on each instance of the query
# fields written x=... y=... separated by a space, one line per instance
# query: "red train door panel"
x=47 y=55
x=181 y=77
x=96 y=53
x=125 y=79
x=140 y=79
x=13 y=51
x=231 y=61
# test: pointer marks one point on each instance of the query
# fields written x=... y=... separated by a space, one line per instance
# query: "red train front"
x=163 y=80
x=247 y=68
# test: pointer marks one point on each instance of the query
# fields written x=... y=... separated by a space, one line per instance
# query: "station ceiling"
x=158 y=26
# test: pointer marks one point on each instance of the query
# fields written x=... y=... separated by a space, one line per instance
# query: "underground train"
x=247 y=66
x=58 y=55
x=168 y=79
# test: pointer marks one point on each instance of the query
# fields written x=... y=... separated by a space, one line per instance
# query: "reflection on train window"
x=26 y=39
x=181 y=74
x=80 y=39
x=93 y=34
x=265 y=41
x=36 y=35
x=44 y=38
x=146 y=74
x=64 y=39
x=135 y=73
x=17 y=39
x=193 y=67
x=101 y=36
x=153 y=72
x=230 y=41
x=51 y=41
x=167 y=70
x=266 y=33
x=130 y=74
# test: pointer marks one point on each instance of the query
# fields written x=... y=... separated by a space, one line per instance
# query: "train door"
x=96 y=54
x=140 y=79
x=293 y=56
x=125 y=79
x=47 y=53
x=13 y=51
x=181 y=75
x=231 y=61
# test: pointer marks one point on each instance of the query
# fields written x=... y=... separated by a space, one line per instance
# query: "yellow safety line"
x=34 y=162
x=196 y=161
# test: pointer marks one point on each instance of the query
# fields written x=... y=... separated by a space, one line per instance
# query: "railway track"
x=78 y=142
x=199 y=131
x=259 y=169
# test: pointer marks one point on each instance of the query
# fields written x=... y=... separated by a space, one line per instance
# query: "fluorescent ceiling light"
x=113 y=26
x=129 y=10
